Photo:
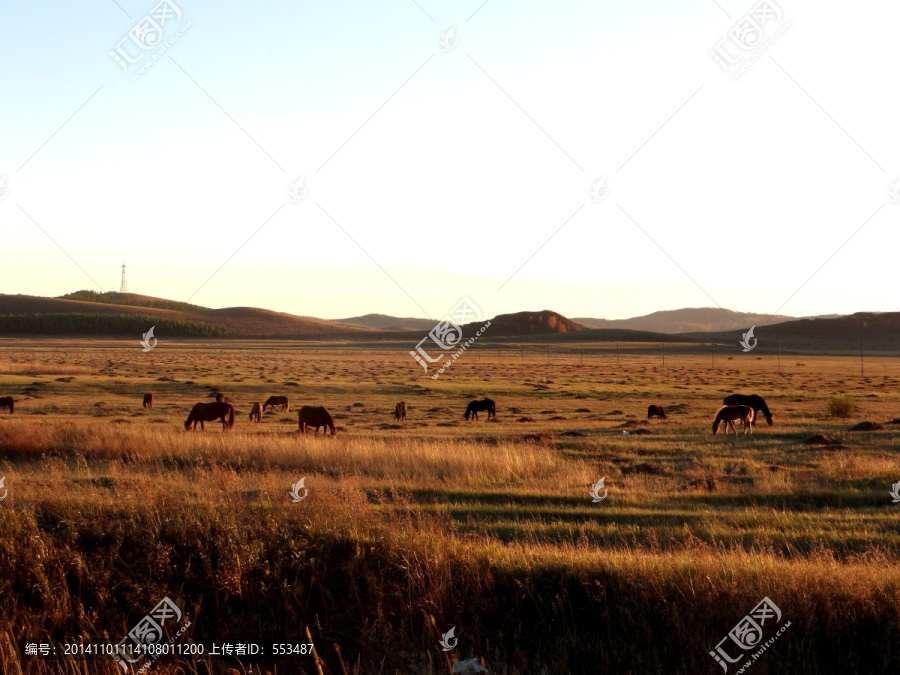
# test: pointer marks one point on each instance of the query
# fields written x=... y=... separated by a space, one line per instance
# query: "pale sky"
x=433 y=175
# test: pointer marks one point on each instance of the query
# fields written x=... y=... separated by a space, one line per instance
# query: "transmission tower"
x=124 y=287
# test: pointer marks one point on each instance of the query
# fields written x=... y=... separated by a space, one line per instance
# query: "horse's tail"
x=230 y=416
x=287 y=405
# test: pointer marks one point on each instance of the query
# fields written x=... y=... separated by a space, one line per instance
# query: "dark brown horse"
x=148 y=401
x=484 y=404
x=255 y=411
x=754 y=401
x=656 y=411
x=272 y=401
x=7 y=402
x=400 y=411
x=730 y=413
x=315 y=416
x=207 y=412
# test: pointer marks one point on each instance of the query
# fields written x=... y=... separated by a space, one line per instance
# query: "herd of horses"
x=736 y=407
x=308 y=416
x=743 y=407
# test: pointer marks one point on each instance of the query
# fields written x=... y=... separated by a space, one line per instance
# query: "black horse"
x=484 y=404
x=657 y=411
x=752 y=400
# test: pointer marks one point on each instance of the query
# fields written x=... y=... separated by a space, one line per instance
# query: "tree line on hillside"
x=107 y=324
x=127 y=299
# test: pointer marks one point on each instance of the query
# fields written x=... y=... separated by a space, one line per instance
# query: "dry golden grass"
x=112 y=506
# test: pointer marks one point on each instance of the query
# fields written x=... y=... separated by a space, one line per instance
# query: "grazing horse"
x=754 y=401
x=148 y=401
x=656 y=410
x=207 y=412
x=484 y=404
x=400 y=411
x=7 y=402
x=255 y=411
x=272 y=401
x=730 y=413
x=315 y=416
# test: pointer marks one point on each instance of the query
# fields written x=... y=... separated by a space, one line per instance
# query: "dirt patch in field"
x=867 y=426
x=646 y=468
x=822 y=439
x=708 y=484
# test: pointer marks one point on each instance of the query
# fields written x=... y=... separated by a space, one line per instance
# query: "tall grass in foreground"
x=103 y=521
x=456 y=462
x=88 y=561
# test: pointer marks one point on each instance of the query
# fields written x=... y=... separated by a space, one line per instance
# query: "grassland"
x=112 y=507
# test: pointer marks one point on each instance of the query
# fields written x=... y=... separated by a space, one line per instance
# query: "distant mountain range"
x=90 y=313
x=688 y=320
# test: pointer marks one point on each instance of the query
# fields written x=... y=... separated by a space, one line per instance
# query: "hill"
x=387 y=322
x=131 y=299
x=877 y=331
x=545 y=322
x=687 y=320
x=231 y=321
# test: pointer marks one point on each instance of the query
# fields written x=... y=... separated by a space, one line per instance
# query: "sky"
x=336 y=158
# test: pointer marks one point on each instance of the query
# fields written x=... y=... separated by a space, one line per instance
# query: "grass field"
x=112 y=507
